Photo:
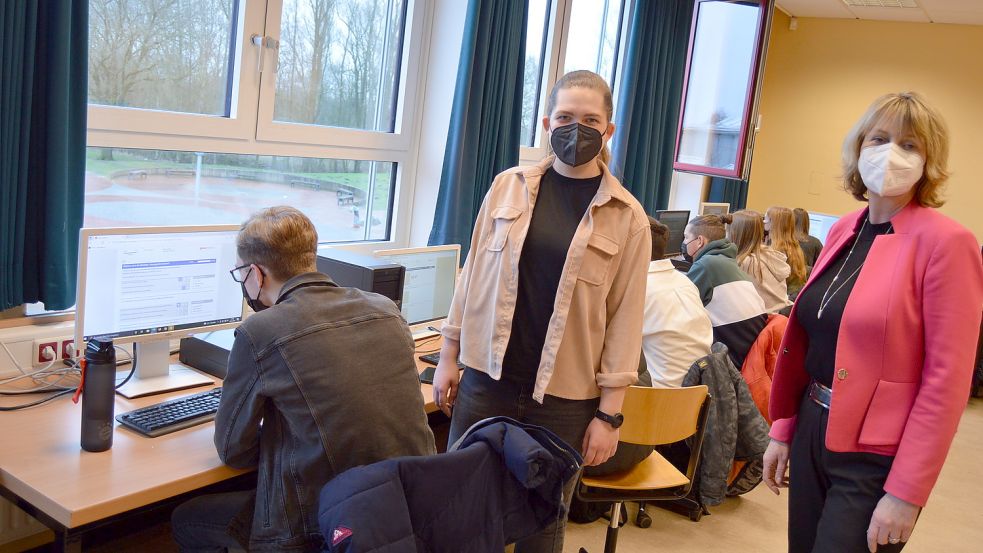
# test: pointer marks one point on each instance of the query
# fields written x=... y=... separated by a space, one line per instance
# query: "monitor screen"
x=428 y=286
x=147 y=281
x=676 y=221
x=820 y=223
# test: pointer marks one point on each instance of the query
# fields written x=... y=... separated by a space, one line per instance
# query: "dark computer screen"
x=676 y=221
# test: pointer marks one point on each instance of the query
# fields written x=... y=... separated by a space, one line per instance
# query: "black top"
x=823 y=332
x=811 y=246
x=559 y=208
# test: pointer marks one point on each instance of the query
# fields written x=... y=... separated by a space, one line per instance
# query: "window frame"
x=745 y=137
x=560 y=12
x=244 y=132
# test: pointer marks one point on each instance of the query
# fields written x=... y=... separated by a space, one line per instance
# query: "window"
x=339 y=62
x=594 y=36
x=536 y=34
x=591 y=32
x=204 y=111
x=722 y=69
x=347 y=200
x=169 y=55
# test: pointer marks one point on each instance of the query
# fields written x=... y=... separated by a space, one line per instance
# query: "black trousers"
x=831 y=495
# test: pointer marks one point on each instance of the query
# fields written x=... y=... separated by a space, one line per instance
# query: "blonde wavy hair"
x=781 y=237
x=590 y=81
x=924 y=122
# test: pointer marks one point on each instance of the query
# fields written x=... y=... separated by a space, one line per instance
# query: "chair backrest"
x=656 y=416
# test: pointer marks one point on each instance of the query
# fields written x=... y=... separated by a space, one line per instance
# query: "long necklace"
x=824 y=302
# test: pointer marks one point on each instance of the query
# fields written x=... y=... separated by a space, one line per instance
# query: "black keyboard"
x=434 y=359
x=173 y=415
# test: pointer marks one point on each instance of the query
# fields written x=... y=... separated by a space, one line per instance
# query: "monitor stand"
x=154 y=373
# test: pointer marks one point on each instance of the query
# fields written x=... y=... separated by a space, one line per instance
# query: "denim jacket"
x=323 y=381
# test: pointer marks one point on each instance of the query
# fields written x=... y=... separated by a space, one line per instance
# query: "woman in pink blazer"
x=877 y=359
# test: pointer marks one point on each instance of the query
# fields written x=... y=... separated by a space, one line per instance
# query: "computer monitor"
x=714 y=208
x=820 y=223
x=676 y=220
x=428 y=287
x=149 y=285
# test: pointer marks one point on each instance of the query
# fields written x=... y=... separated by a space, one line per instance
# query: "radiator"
x=15 y=524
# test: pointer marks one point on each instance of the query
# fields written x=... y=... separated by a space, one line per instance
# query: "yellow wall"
x=821 y=77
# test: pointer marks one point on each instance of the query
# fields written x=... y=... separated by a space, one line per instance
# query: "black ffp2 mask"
x=253 y=303
x=576 y=144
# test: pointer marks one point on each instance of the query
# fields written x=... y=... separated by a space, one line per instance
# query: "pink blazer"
x=905 y=352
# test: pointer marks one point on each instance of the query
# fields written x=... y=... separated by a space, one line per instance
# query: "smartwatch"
x=615 y=420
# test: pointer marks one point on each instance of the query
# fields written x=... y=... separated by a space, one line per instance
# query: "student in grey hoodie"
x=766 y=266
x=736 y=310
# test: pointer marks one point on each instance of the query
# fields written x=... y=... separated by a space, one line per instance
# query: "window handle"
x=265 y=42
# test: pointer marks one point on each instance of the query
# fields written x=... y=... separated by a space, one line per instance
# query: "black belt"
x=820 y=394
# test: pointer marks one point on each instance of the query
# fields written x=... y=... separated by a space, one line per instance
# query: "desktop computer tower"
x=363 y=272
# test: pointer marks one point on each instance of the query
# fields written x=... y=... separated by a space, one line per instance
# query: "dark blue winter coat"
x=501 y=482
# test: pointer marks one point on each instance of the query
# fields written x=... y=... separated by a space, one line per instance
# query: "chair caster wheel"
x=643 y=520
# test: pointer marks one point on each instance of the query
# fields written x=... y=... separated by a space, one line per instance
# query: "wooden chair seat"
x=654 y=473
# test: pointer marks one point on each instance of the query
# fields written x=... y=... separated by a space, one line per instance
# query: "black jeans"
x=214 y=523
x=480 y=396
x=831 y=495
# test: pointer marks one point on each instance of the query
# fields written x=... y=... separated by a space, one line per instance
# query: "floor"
x=951 y=522
x=755 y=522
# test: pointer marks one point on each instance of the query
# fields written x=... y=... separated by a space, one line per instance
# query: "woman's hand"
x=600 y=442
x=892 y=522
x=445 y=381
x=776 y=466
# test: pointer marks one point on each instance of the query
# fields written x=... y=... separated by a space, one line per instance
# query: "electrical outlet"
x=39 y=351
x=68 y=349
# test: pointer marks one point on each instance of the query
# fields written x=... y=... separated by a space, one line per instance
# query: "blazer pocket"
x=888 y=413
x=597 y=259
x=502 y=220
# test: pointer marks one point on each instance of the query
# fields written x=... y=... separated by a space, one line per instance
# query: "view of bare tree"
x=160 y=54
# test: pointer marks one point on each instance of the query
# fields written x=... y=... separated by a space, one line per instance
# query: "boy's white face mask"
x=890 y=170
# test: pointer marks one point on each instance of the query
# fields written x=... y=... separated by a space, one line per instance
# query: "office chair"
x=653 y=416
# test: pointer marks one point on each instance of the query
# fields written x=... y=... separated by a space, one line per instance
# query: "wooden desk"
x=44 y=470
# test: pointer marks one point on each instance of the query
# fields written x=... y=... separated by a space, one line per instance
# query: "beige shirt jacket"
x=594 y=338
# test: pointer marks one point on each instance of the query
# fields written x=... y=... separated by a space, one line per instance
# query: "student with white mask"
x=875 y=367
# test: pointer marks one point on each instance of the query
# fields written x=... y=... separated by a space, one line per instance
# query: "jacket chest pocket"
x=597 y=259
x=502 y=220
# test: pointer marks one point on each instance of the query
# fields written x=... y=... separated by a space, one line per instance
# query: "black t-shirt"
x=823 y=331
x=559 y=208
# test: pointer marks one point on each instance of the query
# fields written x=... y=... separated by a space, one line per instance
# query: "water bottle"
x=98 y=395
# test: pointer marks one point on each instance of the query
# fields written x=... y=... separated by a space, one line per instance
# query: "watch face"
x=615 y=420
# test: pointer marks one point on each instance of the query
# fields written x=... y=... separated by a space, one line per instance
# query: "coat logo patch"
x=339 y=535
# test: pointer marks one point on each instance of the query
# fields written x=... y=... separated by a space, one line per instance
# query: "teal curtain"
x=731 y=191
x=650 y=97
x=43 y=88
x=483 y=139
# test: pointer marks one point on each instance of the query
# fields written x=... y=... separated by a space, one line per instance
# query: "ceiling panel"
x=815 y=8
x=892 y=14
x=960 y=12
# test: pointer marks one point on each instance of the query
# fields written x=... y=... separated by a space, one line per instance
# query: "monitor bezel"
x=403 y=251
x=86 y=233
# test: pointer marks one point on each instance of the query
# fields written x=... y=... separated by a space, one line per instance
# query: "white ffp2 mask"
x=889 y=170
